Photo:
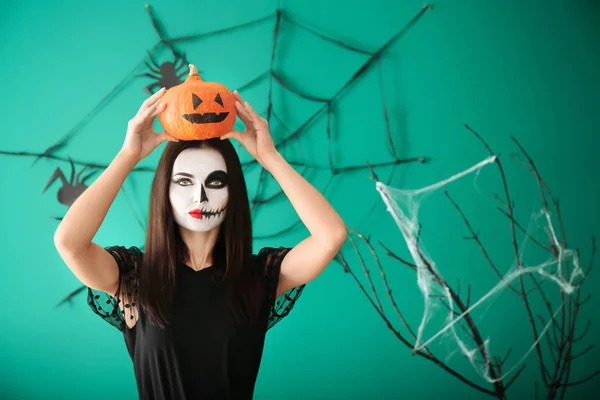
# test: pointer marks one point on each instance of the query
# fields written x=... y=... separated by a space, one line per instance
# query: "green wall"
x=527 y=69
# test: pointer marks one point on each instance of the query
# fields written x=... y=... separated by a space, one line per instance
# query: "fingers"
x=238 y=96
x=246 y=112
x=152 y=111
x=164 y=137
x=152 y=99
x=234 y=134
x=145 y=117
x=243 y=114
x=243 y=108
x=253 y=114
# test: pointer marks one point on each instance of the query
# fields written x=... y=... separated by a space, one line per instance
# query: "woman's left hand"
x=256 y=138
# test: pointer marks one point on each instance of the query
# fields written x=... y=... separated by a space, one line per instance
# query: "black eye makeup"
x=216 y=180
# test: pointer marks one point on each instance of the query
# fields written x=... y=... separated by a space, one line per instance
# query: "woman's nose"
x=200 y=195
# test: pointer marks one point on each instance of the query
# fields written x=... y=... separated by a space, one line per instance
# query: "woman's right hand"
x=141 y=138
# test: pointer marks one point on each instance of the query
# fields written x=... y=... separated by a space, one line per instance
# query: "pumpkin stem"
x=194 y=75
x=193 y=70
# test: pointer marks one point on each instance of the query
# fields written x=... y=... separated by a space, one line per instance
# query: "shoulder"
x=126 y=256
x=124 y=251
x=269 y=259
x=269 y=255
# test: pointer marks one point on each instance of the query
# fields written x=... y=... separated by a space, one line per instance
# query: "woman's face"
x=198 y=189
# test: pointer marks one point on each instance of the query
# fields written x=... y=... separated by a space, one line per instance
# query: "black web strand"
x=159 y=29
x=354 y=77
x=338 y=42
x=272 y=63
x=297 y=92
x=253 y=81
x=330 y=141
x=190 y=38
x=261 y=177
x=66 y=159
x=352 y=168
x=270 y=103
x=295 y=224
x=70 y=296
x=377 y=201
x=63 y=141
x=135 y=214
x=388 y=127
x=279 y=193
x=288 y=130
x=380 y=51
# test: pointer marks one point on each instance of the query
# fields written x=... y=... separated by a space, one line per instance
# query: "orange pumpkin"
x=197 y=110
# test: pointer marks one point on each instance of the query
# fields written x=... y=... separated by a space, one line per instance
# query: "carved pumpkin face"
x=197 y=110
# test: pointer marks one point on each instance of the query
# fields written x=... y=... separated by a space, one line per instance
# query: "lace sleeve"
x=270 y=259
x=107 y=306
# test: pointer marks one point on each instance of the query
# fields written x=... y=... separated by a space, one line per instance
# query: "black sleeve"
x=270 y=260
x=107 y=306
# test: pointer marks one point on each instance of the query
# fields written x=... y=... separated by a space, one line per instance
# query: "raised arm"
x=327 y=229
x=73 y=238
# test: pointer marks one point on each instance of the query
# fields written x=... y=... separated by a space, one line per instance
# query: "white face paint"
x=198 y=190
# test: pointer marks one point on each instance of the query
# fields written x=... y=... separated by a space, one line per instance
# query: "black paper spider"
x=167 y=74
x=71 y=189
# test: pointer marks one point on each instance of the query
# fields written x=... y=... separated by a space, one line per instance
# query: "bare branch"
x=581 y=353
x=393 y=255
x=476 y=238
x=585 y=330
x=581 y=381
x=514 y=378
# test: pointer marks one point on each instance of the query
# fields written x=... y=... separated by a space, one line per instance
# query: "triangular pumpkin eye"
x=196 y=100
x=219 y=100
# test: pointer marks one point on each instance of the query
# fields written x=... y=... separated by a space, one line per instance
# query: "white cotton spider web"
x=404 y=207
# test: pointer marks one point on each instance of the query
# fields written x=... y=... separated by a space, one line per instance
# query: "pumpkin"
x=197 y=110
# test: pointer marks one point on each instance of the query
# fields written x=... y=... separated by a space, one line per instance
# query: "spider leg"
x=148 y=89
x=179 y=59
x=151 y=68
x=58 y=174
x=85 y=177
x=182 y=75
x=79 y=174
x=154 y=63
x=72 y=171
x=148 y=76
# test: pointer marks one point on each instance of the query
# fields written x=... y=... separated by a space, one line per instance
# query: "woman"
x=195 y=306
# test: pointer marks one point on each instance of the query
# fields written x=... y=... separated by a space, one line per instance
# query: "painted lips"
x=196 y=214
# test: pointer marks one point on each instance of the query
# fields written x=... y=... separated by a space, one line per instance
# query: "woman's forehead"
x=199 y=161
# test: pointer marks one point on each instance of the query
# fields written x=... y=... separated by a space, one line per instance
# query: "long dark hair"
x=164 y=247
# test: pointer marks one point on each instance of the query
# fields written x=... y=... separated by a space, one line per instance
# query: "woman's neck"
x=200 y=245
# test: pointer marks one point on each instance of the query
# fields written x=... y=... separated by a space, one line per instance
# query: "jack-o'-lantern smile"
x=207 y=117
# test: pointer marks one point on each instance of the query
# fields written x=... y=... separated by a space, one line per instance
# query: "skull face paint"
x=198 y=189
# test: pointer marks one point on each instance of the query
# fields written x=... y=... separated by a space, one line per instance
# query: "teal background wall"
x=522 y=68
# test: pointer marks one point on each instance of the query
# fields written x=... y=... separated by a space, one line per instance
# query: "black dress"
x=204 y=353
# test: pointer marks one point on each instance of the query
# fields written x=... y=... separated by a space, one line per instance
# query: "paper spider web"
x=303 y=131
x=304 y=122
